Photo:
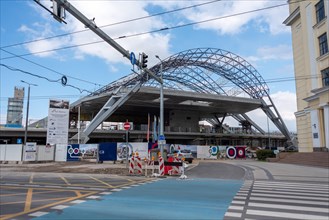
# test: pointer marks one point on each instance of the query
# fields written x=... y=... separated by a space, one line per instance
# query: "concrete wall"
x=184 y=121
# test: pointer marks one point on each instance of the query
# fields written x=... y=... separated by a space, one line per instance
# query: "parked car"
x=186 y=154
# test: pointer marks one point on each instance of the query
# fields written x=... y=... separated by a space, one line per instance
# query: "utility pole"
x=27 y=109
x=161 y=107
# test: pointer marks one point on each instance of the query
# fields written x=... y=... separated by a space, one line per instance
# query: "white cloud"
x=107 y=12
x=267 y=20
x=279 y=52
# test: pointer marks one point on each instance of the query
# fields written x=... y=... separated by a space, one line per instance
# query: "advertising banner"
x=73 y=152
x=58 y=122
x=122 y=149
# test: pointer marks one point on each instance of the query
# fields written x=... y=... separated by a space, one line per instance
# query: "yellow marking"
x=78 y=193
x=31 y=178
x=38 y=200
x=65 y=180
x=48 y=191
x=46 y=206
x=28 y=200
x=58 y=190
x=101 y=181
x=128 y=184
x=58 y=184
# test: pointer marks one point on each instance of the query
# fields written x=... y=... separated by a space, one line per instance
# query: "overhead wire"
x=155 y=31
x=42 y=77
x=49 y=69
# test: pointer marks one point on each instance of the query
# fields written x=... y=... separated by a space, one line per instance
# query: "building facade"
x=15 y=108
x=310 y=28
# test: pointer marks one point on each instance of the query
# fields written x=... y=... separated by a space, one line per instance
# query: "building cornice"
x=292 y=17
x=317 y=93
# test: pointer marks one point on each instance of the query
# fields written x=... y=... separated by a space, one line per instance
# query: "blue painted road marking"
x=166 y=199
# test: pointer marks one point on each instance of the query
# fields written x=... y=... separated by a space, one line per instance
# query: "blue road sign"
x=162 y=138
x=132 y=58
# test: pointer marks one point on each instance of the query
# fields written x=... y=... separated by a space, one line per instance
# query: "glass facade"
x=15 y=107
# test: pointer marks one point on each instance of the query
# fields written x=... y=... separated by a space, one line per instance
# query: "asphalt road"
x=216 y=170
x=228 y=190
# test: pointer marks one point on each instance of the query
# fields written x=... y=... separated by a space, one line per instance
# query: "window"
x=323 y=44
x=319 y=10
x=325 y=77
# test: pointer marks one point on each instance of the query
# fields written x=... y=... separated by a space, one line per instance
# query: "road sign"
x=126 y=126
x=132 y=58
x=162 y=138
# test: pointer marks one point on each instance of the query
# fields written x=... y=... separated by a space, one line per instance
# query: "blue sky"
x=258 y=37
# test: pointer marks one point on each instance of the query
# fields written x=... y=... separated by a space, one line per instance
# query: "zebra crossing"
x=275 y=200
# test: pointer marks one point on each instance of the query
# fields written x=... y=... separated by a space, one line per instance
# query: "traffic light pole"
x=92 y=26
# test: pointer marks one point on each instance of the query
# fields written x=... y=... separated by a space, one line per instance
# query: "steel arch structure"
x=208 y=71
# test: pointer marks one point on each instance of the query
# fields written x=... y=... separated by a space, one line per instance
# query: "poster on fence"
x=58 y=122
x=30 y=151
x=140 y=148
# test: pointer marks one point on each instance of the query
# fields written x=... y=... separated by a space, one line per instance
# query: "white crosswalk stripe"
x=280 y=200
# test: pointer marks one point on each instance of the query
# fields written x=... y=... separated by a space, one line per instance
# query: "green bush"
x=263 y=154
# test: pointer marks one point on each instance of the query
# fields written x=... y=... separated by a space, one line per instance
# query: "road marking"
x=233 y=214
x=236 y=207
x=288 y=207
x=116 y=190
x=31 y=178
x=78 y=193
x=286 y=215
x=238 y=202
x=290 y=196
x=106 y=193
x=93 y=197
x=300 y=187
x=60 y=207
x=290 y=184
x=296 y=201
x=105 y=183
x=28 y=200
x=78 y=201
x=64 y=179
x=290 y=193
x=10 y=216
x=38 y=214
x=320 y=191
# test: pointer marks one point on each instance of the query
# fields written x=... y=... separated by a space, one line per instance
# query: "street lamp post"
x=27 y=109
x=161 y=105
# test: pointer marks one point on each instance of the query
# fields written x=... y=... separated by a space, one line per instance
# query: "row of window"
x=320 y=15
x=323 y=40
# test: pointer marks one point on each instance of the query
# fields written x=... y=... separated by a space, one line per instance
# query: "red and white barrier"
x=161 y=166
x=139 y=166
x=131 y=165
x=175 y=169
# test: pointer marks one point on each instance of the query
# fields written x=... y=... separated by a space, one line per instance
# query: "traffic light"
x=144 y=61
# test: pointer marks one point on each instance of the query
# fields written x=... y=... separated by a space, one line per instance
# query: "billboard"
x=58 y=122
